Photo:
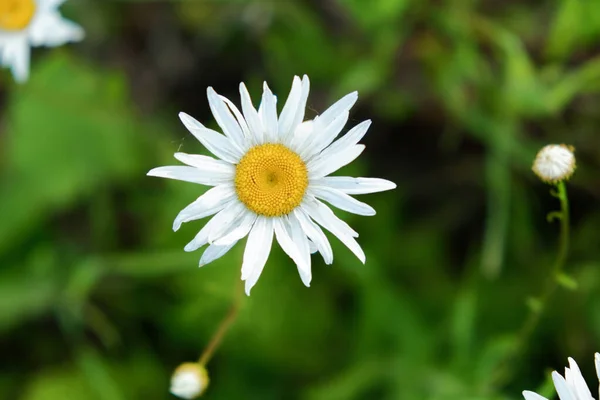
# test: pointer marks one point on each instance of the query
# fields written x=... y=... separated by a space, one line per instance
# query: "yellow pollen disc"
x=271 y=180
x=16 y=14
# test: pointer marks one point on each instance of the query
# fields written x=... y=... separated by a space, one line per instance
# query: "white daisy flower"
x=270 y=179
x=570 y=387
x=189 y=381
x=554 y=163
x=29 y=23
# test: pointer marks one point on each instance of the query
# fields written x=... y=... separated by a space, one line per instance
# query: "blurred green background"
x=98 y=300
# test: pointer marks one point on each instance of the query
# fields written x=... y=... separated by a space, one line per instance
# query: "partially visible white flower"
x=189 y=381
x=554 y=163
x=31 y=23
x=570 y=387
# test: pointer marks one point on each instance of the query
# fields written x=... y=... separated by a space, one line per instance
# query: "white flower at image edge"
x=570 y=387
x=31 y=23
x=270 y=179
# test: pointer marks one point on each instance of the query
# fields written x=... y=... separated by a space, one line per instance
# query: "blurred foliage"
x=99 y=301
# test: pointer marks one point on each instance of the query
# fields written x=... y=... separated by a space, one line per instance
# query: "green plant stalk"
x=223 y=327
x=504 y=372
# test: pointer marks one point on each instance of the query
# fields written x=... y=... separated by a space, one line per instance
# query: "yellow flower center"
x=16 y=14
x=271 y=180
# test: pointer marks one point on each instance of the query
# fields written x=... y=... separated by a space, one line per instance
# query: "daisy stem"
x=539 y=304
x=223 y=327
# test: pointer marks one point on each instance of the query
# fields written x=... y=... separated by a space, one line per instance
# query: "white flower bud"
x=554 y=163
x=189 y=381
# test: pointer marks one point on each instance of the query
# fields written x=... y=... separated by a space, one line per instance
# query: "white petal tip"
x=532 y=395
x=186 y=119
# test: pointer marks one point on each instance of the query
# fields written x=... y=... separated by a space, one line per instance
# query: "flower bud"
x=554 y=163
x=189 y=381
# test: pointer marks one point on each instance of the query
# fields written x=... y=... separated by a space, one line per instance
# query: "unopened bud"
x=189 y=381
x=554 y=163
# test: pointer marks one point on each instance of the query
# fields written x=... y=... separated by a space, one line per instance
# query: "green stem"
x=535 y=314
x=223 y=327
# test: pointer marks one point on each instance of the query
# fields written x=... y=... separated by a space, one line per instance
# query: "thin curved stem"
x=538 y=307
x=223 y=327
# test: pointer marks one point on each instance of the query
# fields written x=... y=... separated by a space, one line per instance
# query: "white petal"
x=313 y=247
x=341 y=200
x=257 y=251
x=321 y=123
x=284 y=238
x=577 y=382
x=351 y=185
x=342 y=105
x=326 y=218
x=348 y=141
x=15 y=55
x=597 y=362
x=211 y=202
x=316 y=235
x=50 y=29
x=283 y=234
x=292 y=113
x=286 y=119
x=214 y=252
x=299 y=237
x=324 y=137
x=49 y=4
x=207 y=164
x=240 y=119
x=202 y=237
x=251 y=116
x=301 y=136
x=189 y=174
x=240 y=231
x=225 y=119
x=268 y=115
x=316 y=203
x=228 y=223
x=216 y=143
x=351 y=138
x=325 y=164
x=562 y=388
x=532 y=396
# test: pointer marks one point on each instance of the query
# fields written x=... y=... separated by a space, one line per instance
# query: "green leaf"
x=576 y=25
